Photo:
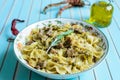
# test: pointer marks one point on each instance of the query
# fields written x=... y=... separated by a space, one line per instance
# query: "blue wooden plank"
x=101 y=72
x=10 y=58
x=85 y=12
x=4 y=14
x=3 y=50
x=76 y=13
x=47 y=15
x=7 y=31
x=7 y=67
x=35 y=76
x=115 y=28
x=55 y=10
x=65 y=13
x=29 y=14
x=24 y=14
x=2 y=4
x=21 y=73
x=86 y=75
x=117 y=2
x=112 y=58
x=34 y=16
x=109 y=69
x=116 y=11
x=113 y=62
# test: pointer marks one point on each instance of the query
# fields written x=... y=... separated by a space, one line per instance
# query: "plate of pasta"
x=60 y=48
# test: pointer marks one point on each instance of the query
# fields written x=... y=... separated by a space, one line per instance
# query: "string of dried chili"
x=13 y=26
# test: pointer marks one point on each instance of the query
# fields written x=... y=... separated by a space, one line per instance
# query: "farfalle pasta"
x=75 y=52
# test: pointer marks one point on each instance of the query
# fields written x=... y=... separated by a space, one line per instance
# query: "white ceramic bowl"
x=25 y=32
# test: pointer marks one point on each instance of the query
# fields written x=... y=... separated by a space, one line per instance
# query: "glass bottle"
x=101 y=14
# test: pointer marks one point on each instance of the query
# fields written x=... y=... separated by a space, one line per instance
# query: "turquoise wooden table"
x=29 y=10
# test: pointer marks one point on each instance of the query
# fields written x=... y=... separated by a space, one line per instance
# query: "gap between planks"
x=16 y=68
x=113 y=43
x=13 y=4
x=15 y=71
x=7 y=49
x=109 y=69
x=5 y=56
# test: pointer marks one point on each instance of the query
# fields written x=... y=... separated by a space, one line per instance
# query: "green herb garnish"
x=58 y=38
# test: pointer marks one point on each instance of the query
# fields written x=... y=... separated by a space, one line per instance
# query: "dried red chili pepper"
x=13 y=26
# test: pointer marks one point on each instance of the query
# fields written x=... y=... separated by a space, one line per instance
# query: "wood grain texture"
x=30 y=11
x=4 y=14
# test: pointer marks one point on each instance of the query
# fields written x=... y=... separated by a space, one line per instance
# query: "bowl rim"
x=77 y=73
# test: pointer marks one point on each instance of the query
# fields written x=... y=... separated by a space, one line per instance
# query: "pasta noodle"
x=75 y=52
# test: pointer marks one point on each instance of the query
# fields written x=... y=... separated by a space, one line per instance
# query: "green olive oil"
x=101 y=13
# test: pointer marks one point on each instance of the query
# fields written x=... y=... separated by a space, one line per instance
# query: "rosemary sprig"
x=58 y=38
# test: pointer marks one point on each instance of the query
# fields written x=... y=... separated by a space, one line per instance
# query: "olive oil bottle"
x=101 y=13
